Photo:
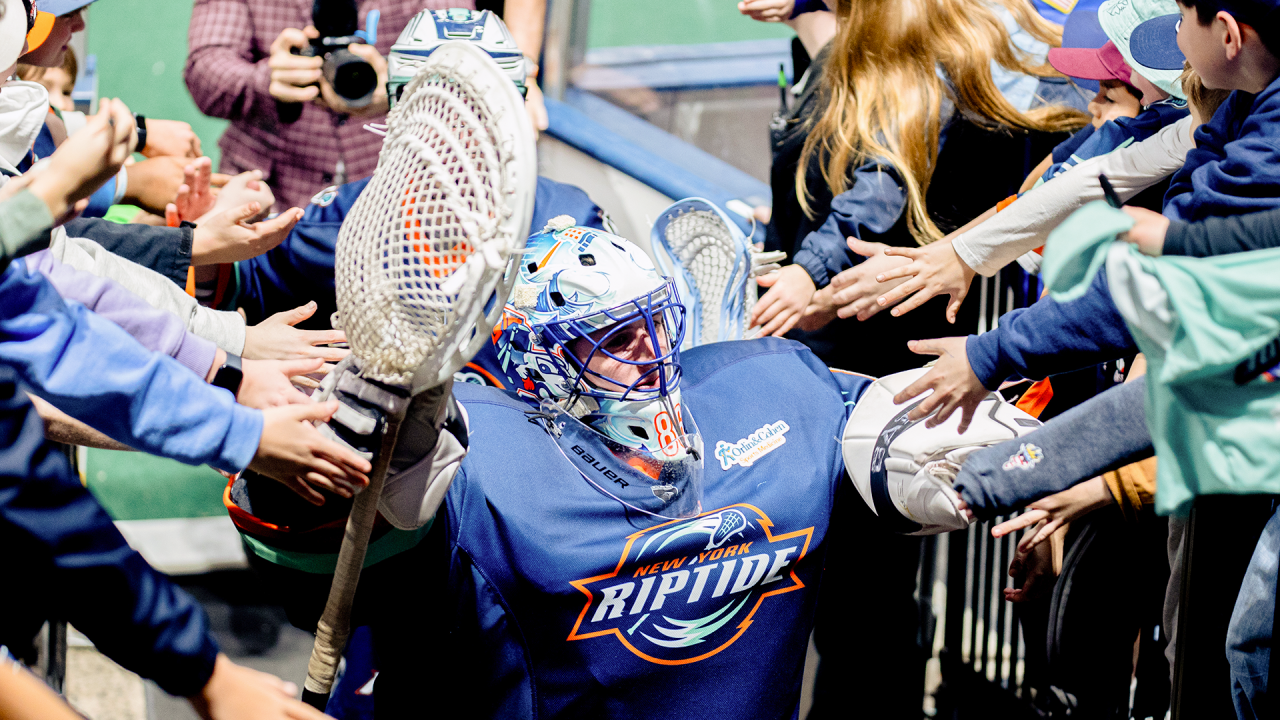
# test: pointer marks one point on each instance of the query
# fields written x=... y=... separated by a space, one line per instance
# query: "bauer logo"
x=752 y=447
x=686 y=590
x=1025 y=459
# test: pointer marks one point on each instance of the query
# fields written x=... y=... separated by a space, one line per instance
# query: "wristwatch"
x=142 y=132
x=230 y=375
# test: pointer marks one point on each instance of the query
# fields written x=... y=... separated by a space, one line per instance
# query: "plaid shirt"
x=227 y=74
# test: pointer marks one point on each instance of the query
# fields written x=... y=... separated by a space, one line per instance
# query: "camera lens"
x=352 y=78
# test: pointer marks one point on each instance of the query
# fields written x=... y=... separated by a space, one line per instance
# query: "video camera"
x=352 y=78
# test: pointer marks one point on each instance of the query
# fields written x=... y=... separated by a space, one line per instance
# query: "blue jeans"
x=1249 y=635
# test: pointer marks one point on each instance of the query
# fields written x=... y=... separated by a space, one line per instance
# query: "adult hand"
x=154 y=183
x=1032 y=572
x=854 y=290
x=294 y=78
x=294 y=452
x=235 y=692
x=227 y=236
x=535 y=104
x=171 y=137
x=790 y=290
x=951 y=379
x=276 y=338
x=378 y=105
x=1148 y=230
x=767 y=10
x=86 y=160
x=269 y=383
x=935 y=269
x=1051 y=513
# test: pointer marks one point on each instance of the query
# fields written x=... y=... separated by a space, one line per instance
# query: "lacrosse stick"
x=423 y=267
x=713 y=265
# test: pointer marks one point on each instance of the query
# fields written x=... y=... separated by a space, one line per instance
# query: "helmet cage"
x=663 y=316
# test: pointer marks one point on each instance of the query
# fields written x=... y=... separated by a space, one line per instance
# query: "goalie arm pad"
x=430 y=449
x=1107 y=432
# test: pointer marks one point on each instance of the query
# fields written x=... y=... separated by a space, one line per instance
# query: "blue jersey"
x=563 y=605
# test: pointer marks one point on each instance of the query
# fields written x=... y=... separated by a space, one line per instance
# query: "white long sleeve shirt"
x=1026 y=224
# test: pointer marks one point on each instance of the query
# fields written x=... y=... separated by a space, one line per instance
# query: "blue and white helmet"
x=430 y=29
x=589 y=290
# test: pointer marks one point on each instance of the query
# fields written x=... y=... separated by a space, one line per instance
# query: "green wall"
x=674 y=22
x=142 y=47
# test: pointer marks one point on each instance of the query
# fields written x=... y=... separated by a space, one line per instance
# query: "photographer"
x=242 y=66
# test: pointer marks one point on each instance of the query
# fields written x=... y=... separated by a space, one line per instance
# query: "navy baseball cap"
x=1083 y=31
x=61 y=7
x=1154 y=43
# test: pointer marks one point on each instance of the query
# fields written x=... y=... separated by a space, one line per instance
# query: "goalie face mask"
x=656 y=485
x=904 y=470
x=592 y=322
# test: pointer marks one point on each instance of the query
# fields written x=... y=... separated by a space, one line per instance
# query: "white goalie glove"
x=904 y=470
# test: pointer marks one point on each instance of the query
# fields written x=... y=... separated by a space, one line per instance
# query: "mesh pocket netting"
x=707 y=251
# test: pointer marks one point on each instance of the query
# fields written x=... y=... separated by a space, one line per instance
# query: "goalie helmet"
x=430 y=29
x=904 y=470
x=584 y=295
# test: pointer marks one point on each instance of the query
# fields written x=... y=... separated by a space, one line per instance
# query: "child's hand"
x=241 y=693
x=195 y=196
x=790 y=290
x=227 y=236
x=952 y=381
x=276 y=338
x=294 y=452
x=171 y=137
x=820 y=311
x=154 y=182
x=87 y=159
x=243 y=189
x=854 y=290
x=935 y=269
x=1147 y=232
x=1032 y=572
x=767 y=10
x=1055 y=511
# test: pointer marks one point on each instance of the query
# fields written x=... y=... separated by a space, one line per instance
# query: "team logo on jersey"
x=325 y=197
x=752 y=447
x=1025 y=459
x=687 y=589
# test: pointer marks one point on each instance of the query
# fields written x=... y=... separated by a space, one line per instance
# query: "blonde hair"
x=883 y=94
x=1204 y=100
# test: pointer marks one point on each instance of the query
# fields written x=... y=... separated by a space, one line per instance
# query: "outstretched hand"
x=951 y=379
x=195 y=195
x=1051 y=513
x=270 y=383
x=790 y=290
x=854 y=291
x=85 y=161
x=294 y=452
x=227 y=236
x=935 y=269
x=235 y=692
x=276 y=338
x=1033 y=573
x=767 y=10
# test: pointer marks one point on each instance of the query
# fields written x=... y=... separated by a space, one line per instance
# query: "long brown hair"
x=883 y=94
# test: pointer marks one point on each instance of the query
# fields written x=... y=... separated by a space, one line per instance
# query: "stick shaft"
x=335 y=623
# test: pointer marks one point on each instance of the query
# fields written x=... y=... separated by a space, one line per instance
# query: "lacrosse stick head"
x=696 y=243
x=424 y=260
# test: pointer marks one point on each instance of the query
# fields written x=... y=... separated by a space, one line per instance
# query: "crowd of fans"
x=927 y=143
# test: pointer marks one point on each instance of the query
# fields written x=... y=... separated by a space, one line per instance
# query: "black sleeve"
x=1224 y=235
x=163 y=249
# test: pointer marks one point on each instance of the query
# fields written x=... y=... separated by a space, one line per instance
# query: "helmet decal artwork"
x=590 y=291
x=430 y=29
